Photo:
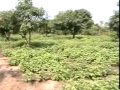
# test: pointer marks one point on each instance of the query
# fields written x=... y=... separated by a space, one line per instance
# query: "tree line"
x=26 y=19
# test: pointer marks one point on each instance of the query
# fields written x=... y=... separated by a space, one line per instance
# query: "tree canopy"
x=73 y=21
x=6 y=25
x=26 y=14
x=114 y=21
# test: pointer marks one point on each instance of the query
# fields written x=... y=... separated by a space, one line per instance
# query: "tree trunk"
x=7 y=35
x=73 y=35
x=29 y=38
x=99 y=32
x=46 y=32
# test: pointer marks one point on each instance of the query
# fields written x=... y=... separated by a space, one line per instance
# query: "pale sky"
x=101 y=10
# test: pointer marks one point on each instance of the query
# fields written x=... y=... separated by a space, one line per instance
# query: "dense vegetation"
x=84 y=63
x=74 y=50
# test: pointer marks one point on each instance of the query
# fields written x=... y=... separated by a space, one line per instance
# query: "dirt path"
x=11 y=79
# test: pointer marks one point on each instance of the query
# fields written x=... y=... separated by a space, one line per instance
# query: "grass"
x=83 y=63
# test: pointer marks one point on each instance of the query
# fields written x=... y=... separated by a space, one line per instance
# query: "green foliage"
x=114 y=36
x=94 y=30
x=6 y=24
x=73 y=21
x=26 y=17
x=108 y=84
x=114 y=22
x=86 y=63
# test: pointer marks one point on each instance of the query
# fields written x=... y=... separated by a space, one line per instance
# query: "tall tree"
x=73 y=21
x=25 y=15
x=114 y=22
x=6 y=24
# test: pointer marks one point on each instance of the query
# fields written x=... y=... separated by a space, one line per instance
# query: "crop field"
x=84 y=63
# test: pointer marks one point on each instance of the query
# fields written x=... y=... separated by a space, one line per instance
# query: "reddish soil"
x=11 y=79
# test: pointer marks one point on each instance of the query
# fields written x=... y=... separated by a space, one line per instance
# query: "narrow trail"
x=11 y=79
